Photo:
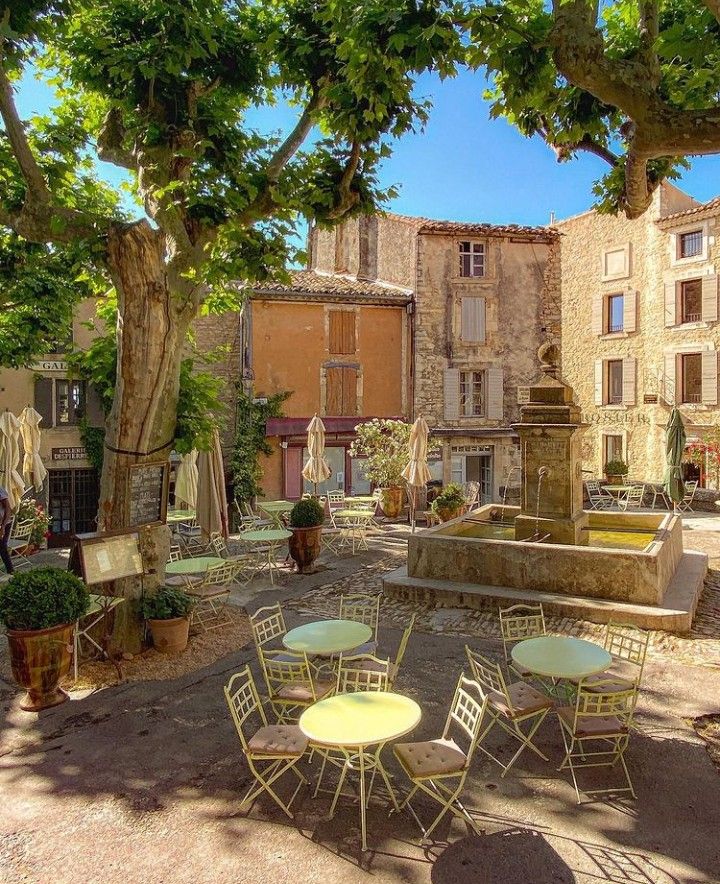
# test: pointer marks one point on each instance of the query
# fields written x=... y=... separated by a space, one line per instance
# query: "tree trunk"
x=152 y=326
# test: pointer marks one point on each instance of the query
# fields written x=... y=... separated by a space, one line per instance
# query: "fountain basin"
x=629 y=557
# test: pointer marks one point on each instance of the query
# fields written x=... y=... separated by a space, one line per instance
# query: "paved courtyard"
x=141 y=781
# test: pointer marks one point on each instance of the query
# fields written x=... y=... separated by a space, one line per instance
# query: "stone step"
x=674 y=616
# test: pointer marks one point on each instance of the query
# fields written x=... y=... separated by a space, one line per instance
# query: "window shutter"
x=93 y=407
x=349 y=392
x=709 y=377
x=598 y=382
x=629 y=311
x=472 y=320
x=348 y=331
x=495 y=394
x=43 y=401
x=670 y=304
x=669 y=386
x=597 y=314
x=333 y=391
x=451 y=394
x=710 y=298
x=341 y=332
x=628 y=380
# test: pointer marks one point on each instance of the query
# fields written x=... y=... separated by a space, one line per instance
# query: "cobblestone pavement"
x=701 y=647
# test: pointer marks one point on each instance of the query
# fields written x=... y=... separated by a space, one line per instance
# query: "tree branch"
x=110 y=141
x=347 y=198
x=714 y=7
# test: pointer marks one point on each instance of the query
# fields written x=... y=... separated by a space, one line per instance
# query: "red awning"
x=297 y=426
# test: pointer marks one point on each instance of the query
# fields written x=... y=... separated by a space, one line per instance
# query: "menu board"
x=148 y=492
x=109 y=557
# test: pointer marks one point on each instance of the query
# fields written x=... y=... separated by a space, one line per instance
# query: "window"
x=691 y=300
x=472 y=393
x=341 y=390
x=615 y=311
x=691 y=377
x=613 y=448
x=472 y=258
x=690 y=244
x=69 y=402
x=614 y=381
x=341 y=332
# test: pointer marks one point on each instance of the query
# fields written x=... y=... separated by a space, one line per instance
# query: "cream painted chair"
x=290 y=683
x=394 y=667
x=685 y=505
x=362 y=608
x=440 y=767
x=19 y=541
x=627 y=645
x=517 y=623
x=272 y=750
x=211 y=594
x=599 y=499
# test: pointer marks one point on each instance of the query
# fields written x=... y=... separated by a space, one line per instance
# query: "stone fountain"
x=598 y=565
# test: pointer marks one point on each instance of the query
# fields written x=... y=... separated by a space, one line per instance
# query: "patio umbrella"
x=211 y=503
x=316 y=469
x=186 y=481
x=674 y=447
x=416 y=473
x=33 y=468
x=10 y=478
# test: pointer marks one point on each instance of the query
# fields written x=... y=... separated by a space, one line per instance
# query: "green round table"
x=276 y=509
x=268 y=541
x=560 y=657
x=197 y=565
x=180 y=515
x=326 y=637
x=352 y=722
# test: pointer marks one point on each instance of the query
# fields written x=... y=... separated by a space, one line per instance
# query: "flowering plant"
x=383 y=444
x=31 y=509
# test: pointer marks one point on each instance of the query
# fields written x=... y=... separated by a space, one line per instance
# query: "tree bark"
x=152 y=326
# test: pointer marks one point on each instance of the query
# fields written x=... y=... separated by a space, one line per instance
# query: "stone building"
x=485 y=298
x=640 y=329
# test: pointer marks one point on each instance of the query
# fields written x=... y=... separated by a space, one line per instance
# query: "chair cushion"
x=622 y=670
x=301 y=691
x=431 y=758
x=373 y=666
x=587 y=726
x=618 y=683
x=278 y=739
x=525 y=700
x=182 y=580
x=368 y=648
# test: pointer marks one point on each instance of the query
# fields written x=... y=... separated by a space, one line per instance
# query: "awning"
x=297 y=426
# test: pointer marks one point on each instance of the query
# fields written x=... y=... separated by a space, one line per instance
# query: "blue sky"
x=465 y=166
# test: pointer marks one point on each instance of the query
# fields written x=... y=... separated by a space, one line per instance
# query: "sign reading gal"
x=50 y=365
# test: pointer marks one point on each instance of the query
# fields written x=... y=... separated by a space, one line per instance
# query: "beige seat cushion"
x=525 y=700
x=623 y=670
x=592 y=726
x=608 y=687
x=430 y=759
x=182 y=581
x=301 y=691
x=372 y=666
x=278 y=739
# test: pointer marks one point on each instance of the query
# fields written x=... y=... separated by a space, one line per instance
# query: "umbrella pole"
x=412 y=510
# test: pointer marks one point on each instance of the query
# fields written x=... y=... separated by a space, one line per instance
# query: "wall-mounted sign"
x=78 y=452
x=148 y=492
x=616 y=418
x=50 y=365
x=523 y=395
x=471 y=449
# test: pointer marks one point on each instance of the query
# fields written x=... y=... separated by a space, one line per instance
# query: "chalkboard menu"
x=148 y=492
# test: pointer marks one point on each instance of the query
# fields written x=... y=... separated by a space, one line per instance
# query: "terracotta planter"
x=40 y=659
x=170 y=636
x=445 y=514
x=392 y=501
x=613 y=479
x=305 y=547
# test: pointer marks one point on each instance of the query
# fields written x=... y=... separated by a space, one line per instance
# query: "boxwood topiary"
x=42 y=598
x=307 y=513
x=166 y=604
x=451 y=497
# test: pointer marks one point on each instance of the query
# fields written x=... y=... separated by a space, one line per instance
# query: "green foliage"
x=384 y=446
x=450 y=498
x=93 y=438
x=166 y=604
x=31 y=509
x=42 y=598
x=251 y=442
x=616 y=468
x=307 y=513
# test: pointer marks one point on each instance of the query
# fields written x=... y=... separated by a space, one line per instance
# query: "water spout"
x=537 y=537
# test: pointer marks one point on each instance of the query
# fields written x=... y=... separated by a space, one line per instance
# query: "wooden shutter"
x=495 y=393
x=349 y=391
x=44 y=401
x=669 y=384
x=599 y=371
x=93 y=407
x=709 y=377
x=710 y=298
x=451 y=394
x=472 y=320
x=341 y=332
x=628 y=381
x=333 y=391
x=629 y=311
x=597 y=314
x=670 y=304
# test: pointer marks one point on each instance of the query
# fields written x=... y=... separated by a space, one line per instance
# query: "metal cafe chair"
x=394 y=668
x=362 y=608
x=19 y=541
x=211 y=594
x=290 y=683
x=599 y=499
x=519 y=622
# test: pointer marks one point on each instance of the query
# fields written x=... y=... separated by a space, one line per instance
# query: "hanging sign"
x=148 y=492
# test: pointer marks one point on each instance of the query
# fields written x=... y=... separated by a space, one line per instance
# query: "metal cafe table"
x=198 y=565
x=327 y=637
x=351 y=724
x=560 y=657
x=276 y=509
x=354 y=525
x=267 y=541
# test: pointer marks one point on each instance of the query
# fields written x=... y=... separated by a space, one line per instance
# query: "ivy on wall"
x=93 y=438
x=251 y=442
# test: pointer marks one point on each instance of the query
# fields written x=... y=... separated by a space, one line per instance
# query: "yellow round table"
x=352 y=722
x=560 y=657
x=327 y=637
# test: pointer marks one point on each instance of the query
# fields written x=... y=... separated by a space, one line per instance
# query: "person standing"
x=5 y=527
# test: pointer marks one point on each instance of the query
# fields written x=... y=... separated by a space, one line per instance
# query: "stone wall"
x=211 y=333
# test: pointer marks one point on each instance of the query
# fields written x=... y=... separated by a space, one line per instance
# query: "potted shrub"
x=39 y=609
x=167 y=612
x=615 y=472
x=305 y=522
x=449 y=503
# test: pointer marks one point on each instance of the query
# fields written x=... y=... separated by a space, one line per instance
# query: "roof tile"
x=324 y=286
